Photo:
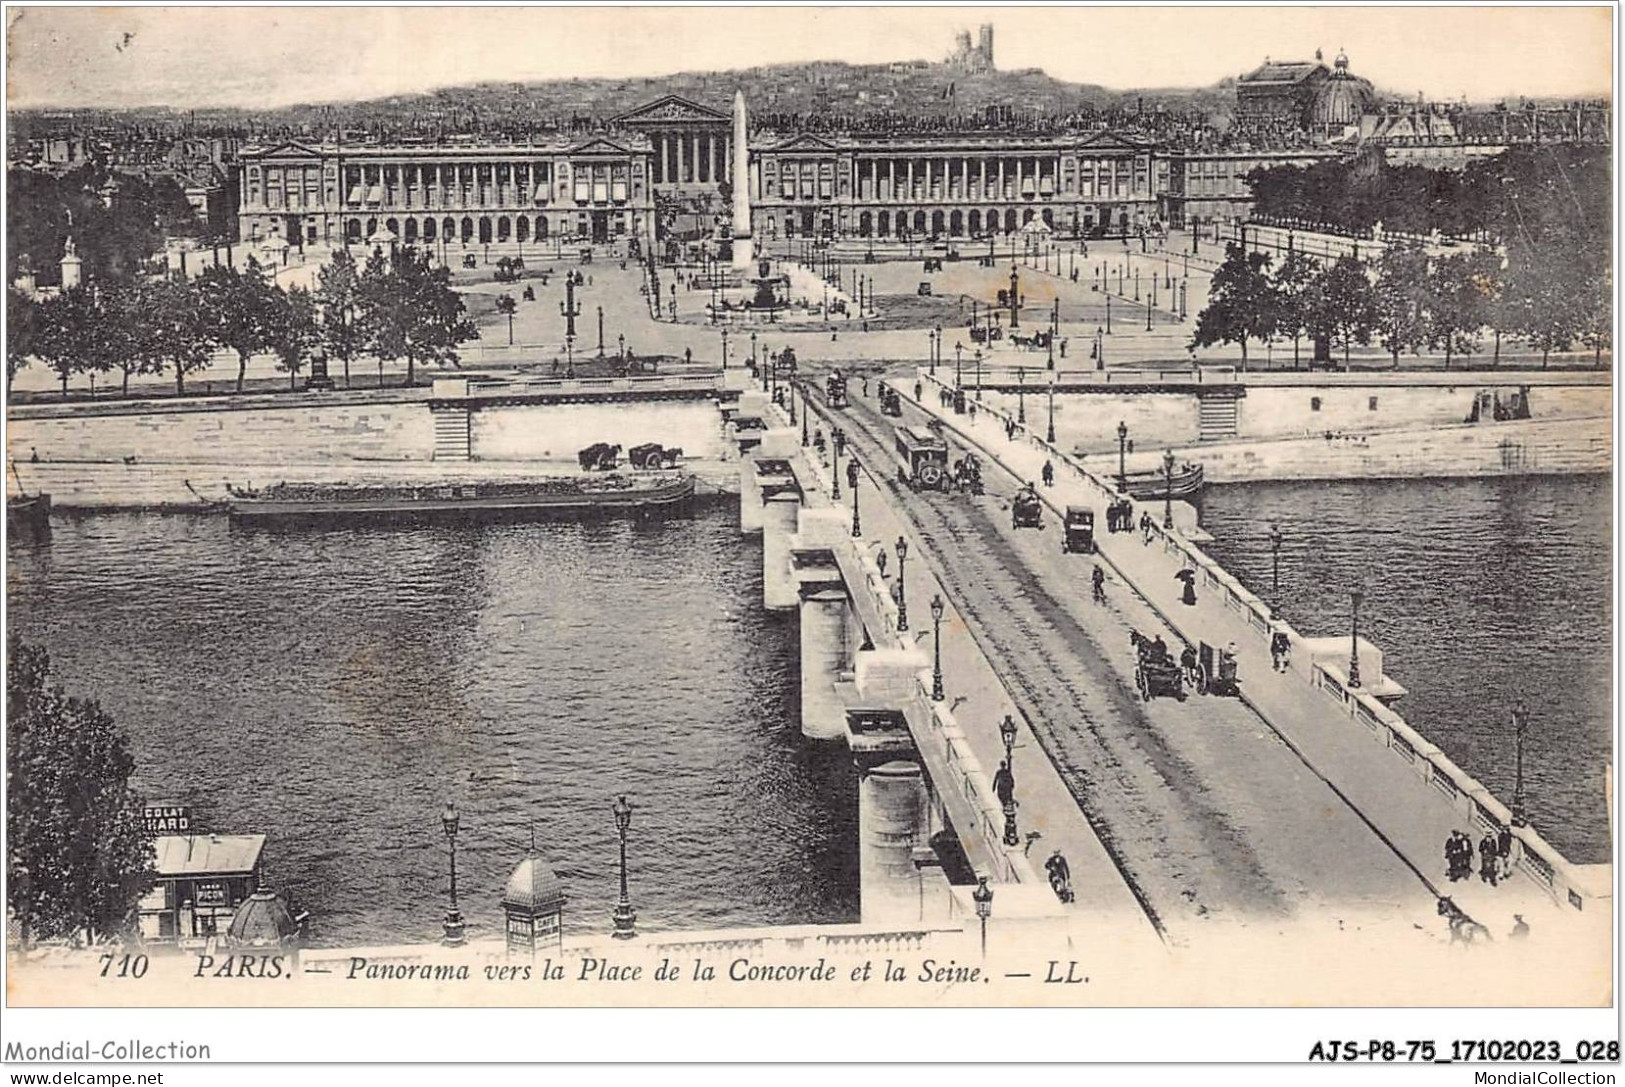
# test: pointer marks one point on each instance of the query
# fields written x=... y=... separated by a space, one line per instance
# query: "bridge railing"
x=1536 y=857
x=1036 y=379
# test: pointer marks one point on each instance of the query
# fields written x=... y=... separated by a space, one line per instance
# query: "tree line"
x=389 y=308
x=1410 y=302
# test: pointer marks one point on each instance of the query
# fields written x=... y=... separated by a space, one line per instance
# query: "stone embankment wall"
x=128 y=456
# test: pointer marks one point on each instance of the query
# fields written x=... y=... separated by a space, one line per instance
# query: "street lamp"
x=902 y=583
x=620 y=341
x=1520 y=723
x=837 y=439
x=724 y=348
x=1122 y=456
x=936 y=667
x=1021 y=394
x=625 y=919
x=453 y=924
x=1007 y=732
x=852 y=471
x=1354 y=640
x=1275 y=559
x=978 y=374
x=1015 y=298
x=1049 y=431
x=959 y=352
x=753 y=350
x=1168 y=491
x=983 y=897
x=600 y=331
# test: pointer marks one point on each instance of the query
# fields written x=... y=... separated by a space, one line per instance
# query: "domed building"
x=1340 y=101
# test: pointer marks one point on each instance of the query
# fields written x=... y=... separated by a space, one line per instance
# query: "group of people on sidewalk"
x=1494 y=856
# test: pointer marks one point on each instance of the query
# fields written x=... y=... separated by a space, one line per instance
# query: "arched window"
x=468 y=229
x=504 y=229
x=521 y=229
x=428 y=230
x=485 y=228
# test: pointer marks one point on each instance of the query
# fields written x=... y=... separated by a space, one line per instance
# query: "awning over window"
x=375 y=195
x=355 y=194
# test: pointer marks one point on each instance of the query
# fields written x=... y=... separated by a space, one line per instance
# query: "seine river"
x=334 y=688
x=1480 y=592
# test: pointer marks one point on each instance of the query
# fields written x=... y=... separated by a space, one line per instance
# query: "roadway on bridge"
x=1207 y=814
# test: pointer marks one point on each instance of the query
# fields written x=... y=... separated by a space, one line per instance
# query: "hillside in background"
x=780 y=92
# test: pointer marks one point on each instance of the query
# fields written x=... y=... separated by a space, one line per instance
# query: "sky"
x=273 y=56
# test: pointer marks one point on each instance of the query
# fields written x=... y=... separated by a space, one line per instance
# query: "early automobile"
x=1026 y=509
x=1079 y=531
x=922 y=459
x=924 y=289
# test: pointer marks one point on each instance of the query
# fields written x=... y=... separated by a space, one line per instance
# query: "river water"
x=334 y=688
x=1480 y=592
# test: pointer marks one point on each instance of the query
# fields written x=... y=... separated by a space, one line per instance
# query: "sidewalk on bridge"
x=1413 y=817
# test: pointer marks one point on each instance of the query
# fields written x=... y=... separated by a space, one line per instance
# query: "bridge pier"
x=892 y=825
x=778 y=526
x=823 y=660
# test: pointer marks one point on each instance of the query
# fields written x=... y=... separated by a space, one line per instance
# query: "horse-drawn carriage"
x=1216 y=671
x=1155 y=670
x=1078 y=531
x=922 y=459
x=652 y=455
x=986 y=333
x=1038 y=341
x=835 y=389
x=931 y=264
x=891 y=402
x=599 y=457
x=1026 y=509
x=968 y=473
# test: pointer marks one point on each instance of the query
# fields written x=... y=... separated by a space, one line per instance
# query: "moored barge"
x=559 y=496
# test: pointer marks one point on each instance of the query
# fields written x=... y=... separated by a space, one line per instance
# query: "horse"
x=606 y=459
x=1463 y=929
x=590 y=456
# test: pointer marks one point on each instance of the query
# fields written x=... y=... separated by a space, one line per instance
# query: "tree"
x=293 y=330
x=1241 y=302
x=65 y=332
x=1457 y=305
x=1341 y=308
x=130 y=308
x=1291 y=282
x=179 y=328
x=238 y=306
x=23 y=324
x=1401 y=296
x=410 y=311
x=1543 y=288
x=506 y=306
x=338 y=294
x=78 y=857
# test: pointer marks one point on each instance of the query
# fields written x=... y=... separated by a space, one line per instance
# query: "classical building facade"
x=1211 y=186
x=452 y=193
x=953 y=187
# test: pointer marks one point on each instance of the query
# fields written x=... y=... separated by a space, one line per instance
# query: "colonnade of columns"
x=682 y=158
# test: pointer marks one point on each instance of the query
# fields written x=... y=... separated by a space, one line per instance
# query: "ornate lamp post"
x=753 y=350
x=1275 y=559
x=1354 y=640
x=1122 y=456
x=1015 y=298
x=937 y=693
x=625 y=919
x=1168 y=489
x=902 y=583
x=804 y=415
x=959 y=352
x=1049 y=431
x=983 y=897
x=1021 y=394
x=978 y=373
x=837 y=441
x=600 y=331
x=1108 y=315
x=1520 y=723
x=620 y=341
x=852 y=472
x=1007 y=732
x=453 y=924
x=1148 y=315
x=569 y=309
x=725 y=348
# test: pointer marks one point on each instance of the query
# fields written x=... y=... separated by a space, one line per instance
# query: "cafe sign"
x=167 y=819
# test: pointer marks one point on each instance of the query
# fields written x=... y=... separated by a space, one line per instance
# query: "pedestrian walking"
x=1049 y=474
x=1488 y=861
x=865 y=384
x=919 y=392
x=1520 y=927
x=688 y=354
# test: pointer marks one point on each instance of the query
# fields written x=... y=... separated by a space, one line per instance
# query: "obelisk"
x=741 y=184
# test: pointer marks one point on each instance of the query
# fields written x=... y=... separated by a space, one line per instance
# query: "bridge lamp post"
x=620 y=341
x=959 y=354
x=978 y=374
x=837 y=441
x=1354 y=640
x=931 y=351
x=1021 y=394
x=1520 y=724
x=1007 y=733
x=753 y=351
x=625 y=919
x=804 y=413
x=453 y=924
x=937 y=693
x=1168 y=489
x=1148 y=314
x=983 y=897
x=725 y=349
x=570 y=355
x=1015 y=298
x=1049 y=432
x=852 y=472
x=1275 y=559
x=1108 y=315
x=600 y=331
x=902 y=583
x=1122 y=456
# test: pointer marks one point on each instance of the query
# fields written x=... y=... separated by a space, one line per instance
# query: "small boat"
x=27 y=512
x=1145 y=486
x=539 y=498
